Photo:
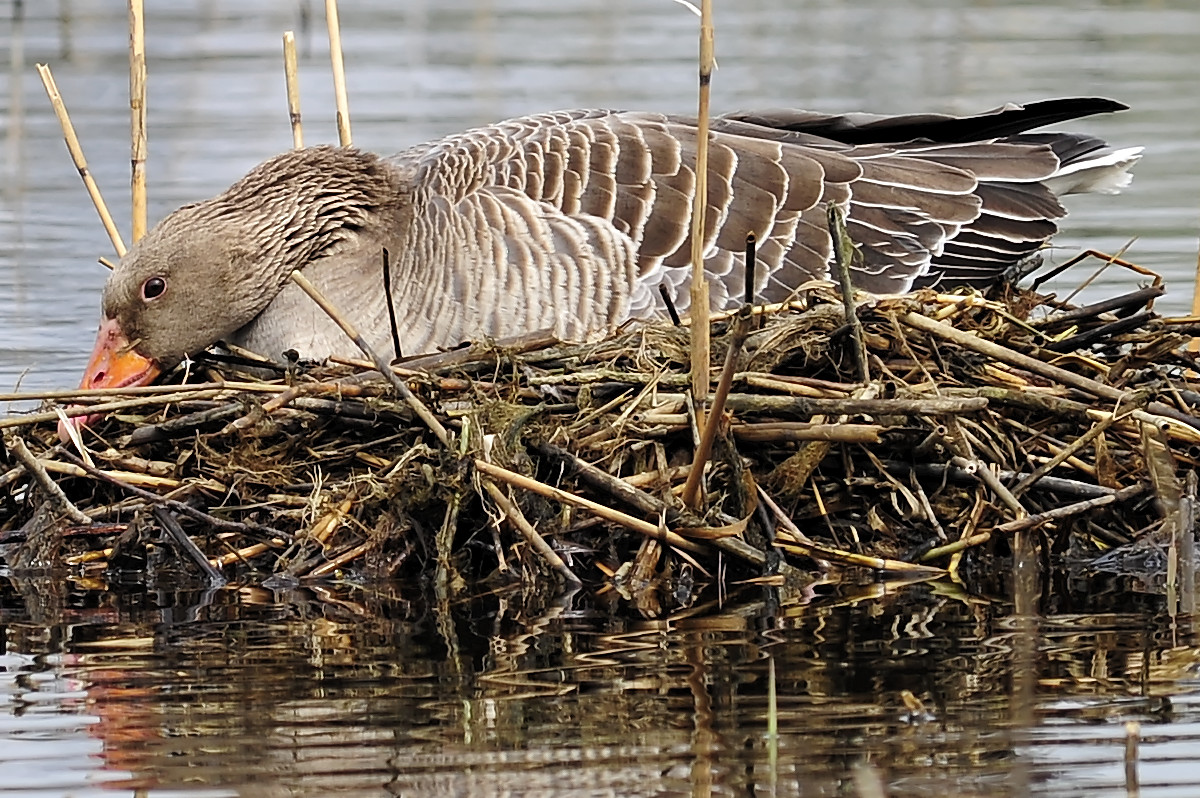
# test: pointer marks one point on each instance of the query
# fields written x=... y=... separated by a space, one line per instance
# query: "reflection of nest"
x=950 y=448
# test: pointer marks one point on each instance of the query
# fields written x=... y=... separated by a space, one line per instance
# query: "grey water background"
x=334 y=690
x=417 y=70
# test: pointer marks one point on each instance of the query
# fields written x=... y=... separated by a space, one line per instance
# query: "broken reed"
x=137 y=125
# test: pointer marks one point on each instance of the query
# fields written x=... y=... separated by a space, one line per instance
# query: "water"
x=417 y=70
x=340 y=690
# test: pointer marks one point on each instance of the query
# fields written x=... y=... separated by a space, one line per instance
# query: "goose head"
x=209 y=268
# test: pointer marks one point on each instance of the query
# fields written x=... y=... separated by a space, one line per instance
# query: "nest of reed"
x=982 y=420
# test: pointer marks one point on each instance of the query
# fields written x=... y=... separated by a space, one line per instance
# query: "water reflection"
x=356 y=692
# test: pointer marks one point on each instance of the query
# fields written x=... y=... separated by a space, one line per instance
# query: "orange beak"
x=114 y=364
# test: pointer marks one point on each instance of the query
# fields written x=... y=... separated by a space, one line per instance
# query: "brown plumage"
x=571 y=221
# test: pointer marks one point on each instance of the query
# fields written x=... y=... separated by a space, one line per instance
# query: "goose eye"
x=154 y=287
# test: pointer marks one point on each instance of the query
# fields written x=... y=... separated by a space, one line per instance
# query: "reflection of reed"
x=341 y=688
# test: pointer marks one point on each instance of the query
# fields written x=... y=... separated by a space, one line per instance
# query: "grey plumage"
x=571 y=221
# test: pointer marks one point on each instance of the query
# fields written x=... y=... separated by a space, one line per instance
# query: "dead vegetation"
x=982 y=418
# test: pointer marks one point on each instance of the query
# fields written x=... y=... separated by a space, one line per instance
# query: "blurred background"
x=423 y=68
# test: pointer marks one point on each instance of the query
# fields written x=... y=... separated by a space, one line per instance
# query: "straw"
x=339 y=72
x=64 y=120
x=291 y=75
x=699 y=289
x=137 y=123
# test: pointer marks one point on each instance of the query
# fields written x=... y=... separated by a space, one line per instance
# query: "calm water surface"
x=346 y=691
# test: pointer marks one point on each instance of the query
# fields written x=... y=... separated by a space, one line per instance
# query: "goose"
x=571 y=221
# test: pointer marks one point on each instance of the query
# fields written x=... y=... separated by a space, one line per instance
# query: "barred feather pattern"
x=572 y=221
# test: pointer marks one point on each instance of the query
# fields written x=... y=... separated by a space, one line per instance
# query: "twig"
x=53 y=492
x=326 y=568
x=671 y=311
x=1134 y=299
x=1068 y=451
x=691 y=489
x=1040 y=367
x=137 y=123
x=699 y=309
x=782 y=431
x=339 y=72
x=172 y=528
x=291 y=76
x=60 y=109
x=531 y=535
x=815 y=406
x=417 y=406
x=843 y=256
x=981 y=470
x=1067 y=487
x=391 y=303
x=607 y=513
x=87 y=410
x=219 y=524
x=1066 y=511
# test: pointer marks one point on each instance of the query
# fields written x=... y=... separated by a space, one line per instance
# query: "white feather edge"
x=1105 y=174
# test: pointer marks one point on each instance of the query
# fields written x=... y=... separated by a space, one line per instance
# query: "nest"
x=982 y=422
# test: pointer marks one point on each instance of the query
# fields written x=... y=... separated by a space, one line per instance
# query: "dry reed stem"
x=54 y=493
x=531 y=535
x=326 y=568
x=409 y=397
x=291 y=76
x=699 y=311
x=339 y=72
x=607 y=513
x=1077 y=508
x=107 y=407
x=691 y=489
x=137 y=123
x=1160 y=413
x=76 y=151
x=92 y=393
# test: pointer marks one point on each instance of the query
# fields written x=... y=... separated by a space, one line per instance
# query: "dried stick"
x=106 y=407
x=781 y=431
x=218 y=524
x=291 y=76
x=607 y=513
x=172 y=528
x=1040 y=367
x=53 y=492
x=137 y=120
x=409 y=397
x=699 y=289
x=817 y=406
x=531 y=535
x=339 y=72
x=691 y=489
x=980 y=469
x=60 y=109
x=1076 y=445
x=95 y=393
x=1066 y=511
x=843 y=255
x=627 y=491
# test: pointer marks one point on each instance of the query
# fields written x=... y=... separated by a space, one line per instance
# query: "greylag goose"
x=571 y=222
